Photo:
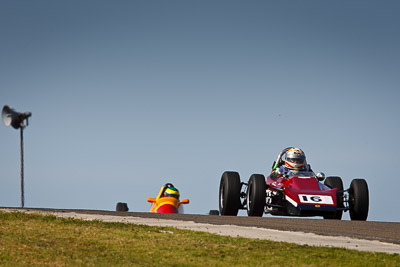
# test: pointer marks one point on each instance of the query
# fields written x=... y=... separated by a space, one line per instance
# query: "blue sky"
x=128 y=95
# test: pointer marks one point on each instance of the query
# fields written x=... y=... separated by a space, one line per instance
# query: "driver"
x=171 y=192
x=295 y=161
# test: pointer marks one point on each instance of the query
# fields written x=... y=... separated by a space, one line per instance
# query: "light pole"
x=17 y=121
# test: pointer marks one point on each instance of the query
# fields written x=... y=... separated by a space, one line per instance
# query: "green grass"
x=38 y=240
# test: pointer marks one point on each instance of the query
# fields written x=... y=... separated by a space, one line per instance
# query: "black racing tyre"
x=336 y=182
x=358 y=200
x=122 y=206
x=255 y=196
x=229 y=194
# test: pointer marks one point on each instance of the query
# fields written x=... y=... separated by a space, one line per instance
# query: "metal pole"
x=22 y=166
x=16 y=119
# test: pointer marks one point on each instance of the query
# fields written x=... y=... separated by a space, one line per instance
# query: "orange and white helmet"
x=295 y=159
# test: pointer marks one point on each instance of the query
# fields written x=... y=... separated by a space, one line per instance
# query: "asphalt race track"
x=388 y=232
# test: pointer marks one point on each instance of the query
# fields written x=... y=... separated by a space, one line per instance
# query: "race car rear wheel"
x=336 y=182
x=358 y=200
x=229 y=193
x=255 y=196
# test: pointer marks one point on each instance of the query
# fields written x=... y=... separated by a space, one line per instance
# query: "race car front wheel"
x=229 y=193
x=336 y=182
x=358 y=200
x=255 y=197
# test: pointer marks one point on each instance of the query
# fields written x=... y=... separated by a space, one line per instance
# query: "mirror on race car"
x=185 y=201
x=151 y=200
x=321 y=176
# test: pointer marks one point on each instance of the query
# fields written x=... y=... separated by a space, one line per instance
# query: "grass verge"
x=43 y=240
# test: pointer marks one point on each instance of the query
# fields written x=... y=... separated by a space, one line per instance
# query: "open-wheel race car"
x=294 y=193
x=167 y=200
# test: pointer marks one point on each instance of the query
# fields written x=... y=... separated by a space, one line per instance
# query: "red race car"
x=293 y=193
x=167 y=200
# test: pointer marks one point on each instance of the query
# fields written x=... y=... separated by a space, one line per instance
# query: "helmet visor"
x=296 y=160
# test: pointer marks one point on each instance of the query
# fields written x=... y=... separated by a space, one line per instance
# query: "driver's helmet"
x=295 y=159
x=171 y=192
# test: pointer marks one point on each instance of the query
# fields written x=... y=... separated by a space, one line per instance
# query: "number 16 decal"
x=314 y=199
